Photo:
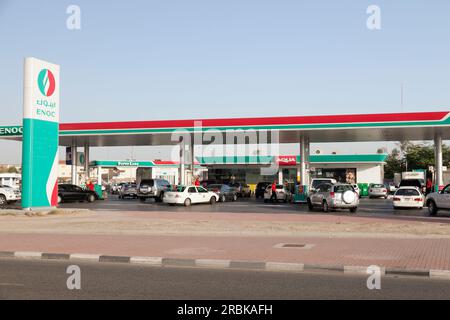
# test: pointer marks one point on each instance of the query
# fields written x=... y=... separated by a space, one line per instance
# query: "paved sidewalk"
x=412 y=254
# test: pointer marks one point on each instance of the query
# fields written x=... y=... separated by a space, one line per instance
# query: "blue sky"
x=135 y=60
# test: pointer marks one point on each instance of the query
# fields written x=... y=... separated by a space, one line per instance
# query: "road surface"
x=28 y=279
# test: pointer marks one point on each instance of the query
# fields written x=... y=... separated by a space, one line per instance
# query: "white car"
x=187 y=195
x=283 y=194
x=378 y=190
x=408 y=197
x=8 y=195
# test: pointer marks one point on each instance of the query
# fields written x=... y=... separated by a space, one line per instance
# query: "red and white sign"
x=286 y=160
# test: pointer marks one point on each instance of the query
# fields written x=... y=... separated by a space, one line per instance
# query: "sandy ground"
x=194 y=223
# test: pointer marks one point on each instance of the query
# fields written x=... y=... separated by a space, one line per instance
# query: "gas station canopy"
x=326 y=128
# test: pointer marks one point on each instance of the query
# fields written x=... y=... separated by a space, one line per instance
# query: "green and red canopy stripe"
x=331 y=120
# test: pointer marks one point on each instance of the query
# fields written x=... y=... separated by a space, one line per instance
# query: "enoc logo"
x=46 y=82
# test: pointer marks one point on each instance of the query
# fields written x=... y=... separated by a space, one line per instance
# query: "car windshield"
x=149 y=183
x=407 y=192
x=214 y=187
x=342 y=188
x=178 y=189
x=317 y=183
x=377 y=186
x=412 y=183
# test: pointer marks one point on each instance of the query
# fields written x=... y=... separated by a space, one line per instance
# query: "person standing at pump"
x=90 y=185
x=273 y=196
x=429 y=186
x=197 y=182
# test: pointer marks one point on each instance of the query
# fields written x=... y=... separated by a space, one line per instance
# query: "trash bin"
x=364 y=189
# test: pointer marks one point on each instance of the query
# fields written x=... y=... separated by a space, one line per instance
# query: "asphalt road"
x=367 y=207
x=28 y=279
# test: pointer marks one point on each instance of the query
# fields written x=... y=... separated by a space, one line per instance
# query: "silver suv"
x=438 y=201
x=152 y=188
x=333 y=196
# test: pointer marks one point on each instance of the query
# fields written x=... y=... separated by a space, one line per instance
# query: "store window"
x=343 y=175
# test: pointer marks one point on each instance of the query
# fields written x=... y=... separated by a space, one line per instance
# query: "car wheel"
x=3 y=201
x=142 y=199
x=187 y=202
x=432 y=208
x=59 y=199
x=325 y=207
x=234 y=197
x=265 y=200
x=213 y=200
x=91 y=198
x=310 y=205
x=161 y=197
x=353 y=210
x=223 y=199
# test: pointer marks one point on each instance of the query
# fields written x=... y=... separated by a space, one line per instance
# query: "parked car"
x=8 y=195
x=333 y=196
x=187 y=195
x=408 y=197
x=128 y=191
x=418 y=183
x=152 y=188
x=283 y=194
x=260 y=189
x=242 y=189
x=357 y=190
x=315 y=182
x=436 y=201
x=378 y=190
x=391 y=187
x=115 y=189
x=71 y=192
x=225 y=192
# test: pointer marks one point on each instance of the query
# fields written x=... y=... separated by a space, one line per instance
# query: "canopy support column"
x=304 y=161
x=86 y=160
x=73 y=166
x=438 y=160
x=182 y=171
x=99 y=175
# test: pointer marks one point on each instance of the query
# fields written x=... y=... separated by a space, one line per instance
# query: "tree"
x=12 y=170
x=393 y=164
x=409 y=156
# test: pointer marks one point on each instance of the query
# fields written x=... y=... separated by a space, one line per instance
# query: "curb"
x=223 y=264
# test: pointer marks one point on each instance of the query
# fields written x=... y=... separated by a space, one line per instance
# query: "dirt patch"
x=54 y=212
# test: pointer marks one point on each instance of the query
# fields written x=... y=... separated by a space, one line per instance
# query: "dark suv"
x=260 y=188
x=152 y=188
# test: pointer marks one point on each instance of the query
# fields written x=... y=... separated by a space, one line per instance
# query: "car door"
x=323 y=192
x=78 y=193
x=443 y=199
x=70 y=193
x=193 y=195
x=203 y=194
x=316 y=197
